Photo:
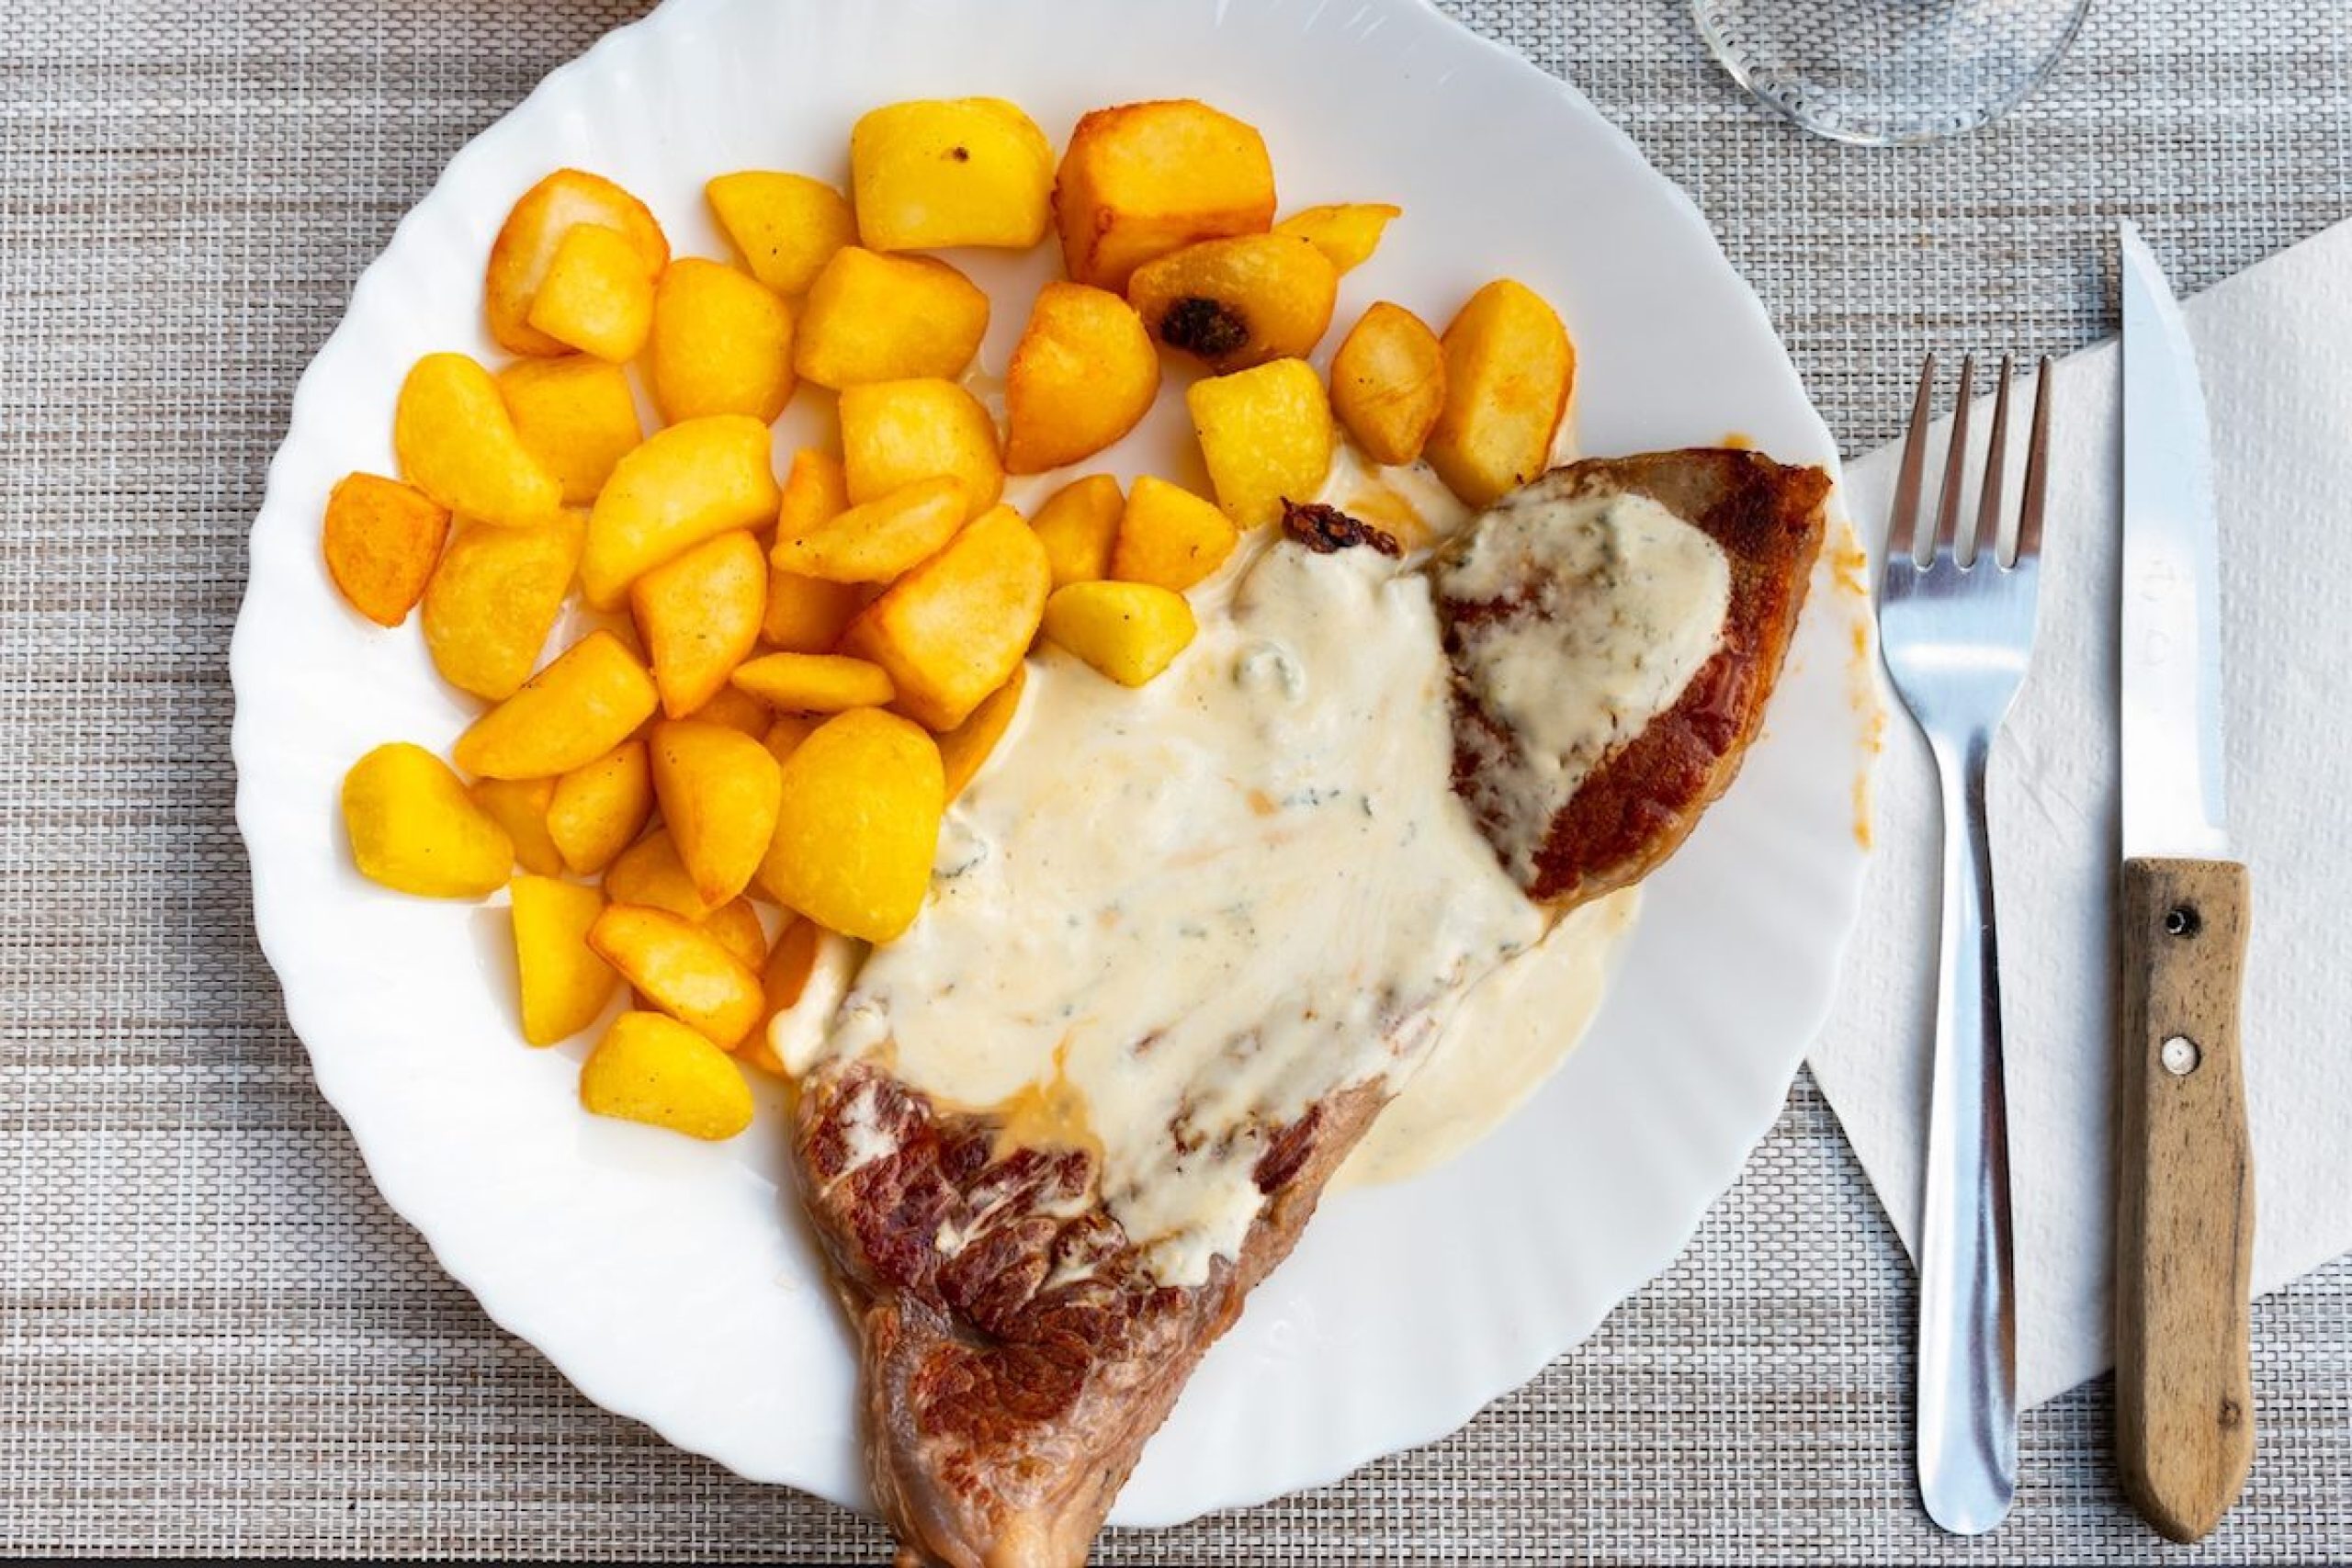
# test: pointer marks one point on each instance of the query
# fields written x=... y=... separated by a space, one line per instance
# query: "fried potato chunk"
x=721 y=343
x=681 y=969
x=1140 y=180
x=1266 y=434
x=936 y=172
x=598 y=809
x=520 y=807
x=1169 y=536
x=894 y=432
x=717 y=790
x=527 y=242
x=787 y=226
x=859 y=823
x=815 y=682
x=1508 y=369
x=576 y=415
x=413 y=828
x=1388 y=383
x=876 y=542
x=691 y=482
x=870 y=317
x=699 y=616
x=652 y=1070
x=563 y=984
x=963 y=749
x=597 y=295
x=456 y=443
x=953 y=630
x=650 y=873
x=382 y=539
x=494 y=597
x=1129 y=631
x=1238 y=303
x=1077 y=525
x=1082 y=376
x=1346 y=233
x=590 y=700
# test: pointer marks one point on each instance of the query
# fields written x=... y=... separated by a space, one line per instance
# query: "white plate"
x=672 y=1282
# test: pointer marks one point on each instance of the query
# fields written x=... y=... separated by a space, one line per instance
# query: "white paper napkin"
x=2274 y=346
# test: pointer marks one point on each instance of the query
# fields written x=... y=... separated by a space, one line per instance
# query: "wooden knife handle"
x=2184 y=1397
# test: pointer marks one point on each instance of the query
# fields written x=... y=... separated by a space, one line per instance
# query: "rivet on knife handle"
x=2184 y=1397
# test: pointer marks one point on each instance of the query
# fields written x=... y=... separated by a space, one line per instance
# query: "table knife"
x=2183 y=1402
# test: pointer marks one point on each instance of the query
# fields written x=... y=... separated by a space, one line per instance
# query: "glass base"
x=1885 y=73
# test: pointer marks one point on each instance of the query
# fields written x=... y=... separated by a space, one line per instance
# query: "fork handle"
x=2184 y=1235
x=1968 y=1404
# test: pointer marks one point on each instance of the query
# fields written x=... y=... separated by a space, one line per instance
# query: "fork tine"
x=1902 y=523
x=1996 y=450
x=1955 y=464
x=2037 y=470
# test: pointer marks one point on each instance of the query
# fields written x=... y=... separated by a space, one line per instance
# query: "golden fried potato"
x=721 y=343
x=413 y=828
x=589 y=700
x=1140 y=180
x=1388 y=383
x=894 y=432
x=564 y=985
x=962 y=749
x=717 y=790
x=1129 y=631
x=1238 y=303
x=1077 y=525
x=576 y=415
x=526 y=243
x=870 y=317
x=936 y=172
x=815 y=682
x=1082 y=376
x=682 y=969
x=1347 y=234
x=816 y=491
x=876 y=542
x=456 y=443
x=652 y=1070
x=736 y=927
x=1508 y=369
x=597 y=295
x=650 y=873
x=495 y=598
x=737 y=709
x=953 y=628
x=786 y=226
x=1169 y=536
x=382 y=539
x=688 y=483
x=698 y=616
x=597 y=810
x=784 y=736
x=1267 y=436
x=520 y=807
x=859 y=823
x=806 y=615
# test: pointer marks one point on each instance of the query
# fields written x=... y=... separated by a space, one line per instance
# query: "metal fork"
x=1955 y=617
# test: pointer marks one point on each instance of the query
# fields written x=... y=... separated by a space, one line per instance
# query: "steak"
x=1017 y=1348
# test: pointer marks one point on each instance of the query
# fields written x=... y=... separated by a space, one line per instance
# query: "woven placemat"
x=215 y=1339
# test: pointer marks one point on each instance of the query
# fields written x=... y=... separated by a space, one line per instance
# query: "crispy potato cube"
x=806 y=614
x=564 y=985
x=1169 y=536
x=784 y=736
x=413 y=828
x=1347 y=233
x=526 y=244
x=786 y=226
x=1129 y=631
x=589 y=700
x=717 y=790
x=722 y=343
x=576 y=415
x=784 y=977
x=599 y=808
x=682 y=969
x=861 y=799
x=1388 y=383
x=815 y=682
x=1238 y=303
x=936 y=172
x=519 y=807
x=1509 y=369
x=456 y=443
x=894 y=432
x=875 y=318
x=737 y=709
x=1267 y=436
x=816 y=489
x=962 y=749
x=650 y=873
x=688 y=483
x=737 y=928
x=1084 y=373
x=597 y=295
x=495 y=598
x=382 y=539
x=1140 y=180
x=652 y=1070
x=699 y=616
x=953 y=628
x=876 y=542
x=1077 y=525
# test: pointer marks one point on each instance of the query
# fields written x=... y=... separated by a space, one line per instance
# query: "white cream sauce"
x=1632 y=603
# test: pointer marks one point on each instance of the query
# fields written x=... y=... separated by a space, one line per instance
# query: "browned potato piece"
x=594 y=810
x=786 y=226
x=656 y=1070
x=1140 y=180
x=1238 y=303
x=1388 y=383
x=528 y=242
x=579 y=707
x=698 y=617
x=954 y=629
x=456 y=443
x=682 y=969
x=1266 y=434
x=519 y=807
x=859 y=825
x=597 y=295
x=875 y=542
x=495 y=598
x=805 y=614
x=576 y=415
x=1347 y=233
x=382 y=539
x=1077 y=525
x=962 y=749
x=815 y=682
x=875 y=318
x=721 y=343
x=1169 y=536
x=1082 y=376
x=717 y=790
x=936 y=172
x=1508 y=371
x=650 y=871
x=894 y=432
